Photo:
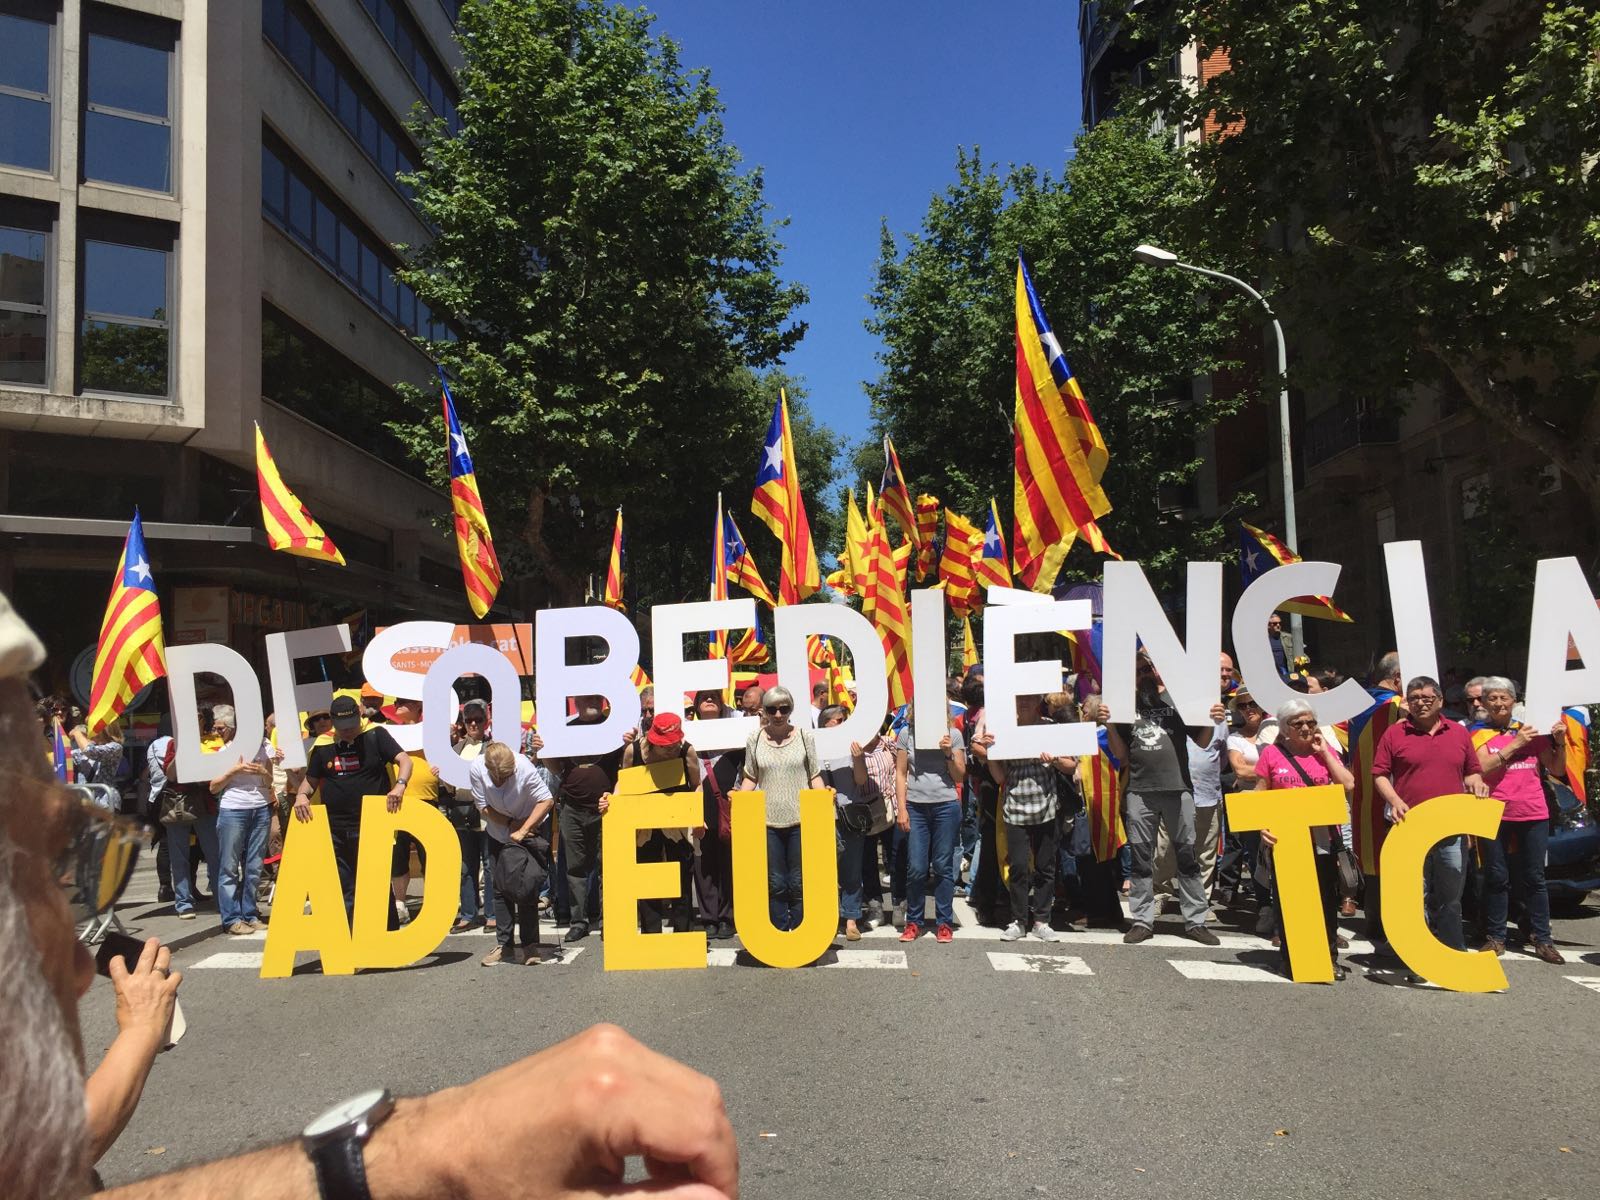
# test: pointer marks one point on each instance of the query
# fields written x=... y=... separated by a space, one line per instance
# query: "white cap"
x=20 y=650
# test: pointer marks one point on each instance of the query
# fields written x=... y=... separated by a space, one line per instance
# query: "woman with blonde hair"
x=780 y=759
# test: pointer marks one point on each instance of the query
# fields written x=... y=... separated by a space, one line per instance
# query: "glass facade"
x=127 y=330
x=298 y=203
x=294 y=31
x=127 y=119
x=24 y=312
x=25 y=91
x=400 y=30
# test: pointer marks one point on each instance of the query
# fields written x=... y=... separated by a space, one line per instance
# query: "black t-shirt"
x=1158 y=753
x=347 y=771
x=585 y=779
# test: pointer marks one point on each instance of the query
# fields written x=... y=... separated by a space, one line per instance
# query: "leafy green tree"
x=614 y=278
x=1419 y=183
x=1136 y=339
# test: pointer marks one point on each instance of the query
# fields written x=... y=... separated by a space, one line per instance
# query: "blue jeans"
x=471 y=851
x=241 y=844
x=930 y=850
x=1513 y=861
x=848 y=845
x=785 y=902
x=205 y=831
x=1443 y=875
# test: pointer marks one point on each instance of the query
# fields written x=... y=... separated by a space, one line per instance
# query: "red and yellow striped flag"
x=1057 y=490
x=290 y=527
x=1096 y=539
x=779 y=504
x=891 y=616
x=1103 y=798
x=1259 y=552
x=927 y=532
x=131 y=652
x=957 y=565
x=480 y=569
x=969 y=648
x=989 y=569
x=895 y=497
x=613 y=596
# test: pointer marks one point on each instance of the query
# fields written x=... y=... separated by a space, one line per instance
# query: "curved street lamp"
x=1154 y=256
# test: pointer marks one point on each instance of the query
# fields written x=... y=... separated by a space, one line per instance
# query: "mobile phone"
x=118 y=945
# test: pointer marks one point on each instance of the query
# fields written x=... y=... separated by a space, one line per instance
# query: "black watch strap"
x=341 y=1168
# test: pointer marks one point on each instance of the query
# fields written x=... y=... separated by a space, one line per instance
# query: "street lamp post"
x=1154 y=256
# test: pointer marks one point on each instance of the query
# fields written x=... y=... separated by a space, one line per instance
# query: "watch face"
x=341 y=1115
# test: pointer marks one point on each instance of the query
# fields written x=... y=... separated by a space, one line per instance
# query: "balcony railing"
x=1346 y=425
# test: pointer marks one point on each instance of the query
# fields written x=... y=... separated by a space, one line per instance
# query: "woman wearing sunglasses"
x=1303 y=758
x=780 y=759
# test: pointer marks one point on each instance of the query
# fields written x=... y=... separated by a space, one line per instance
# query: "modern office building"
x=1368 y=469
x=198 y=207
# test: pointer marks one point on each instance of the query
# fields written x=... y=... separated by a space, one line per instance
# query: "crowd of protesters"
x=1014 y=836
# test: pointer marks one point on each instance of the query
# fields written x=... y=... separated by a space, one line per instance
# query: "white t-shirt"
x=516 y=797
x=1248 y=749
x=249 y=791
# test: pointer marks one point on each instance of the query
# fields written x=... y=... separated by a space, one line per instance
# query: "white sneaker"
x=1044 y=933
x=1011 y=933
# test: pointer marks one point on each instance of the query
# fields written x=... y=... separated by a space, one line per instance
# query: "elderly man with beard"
x=589 y=1102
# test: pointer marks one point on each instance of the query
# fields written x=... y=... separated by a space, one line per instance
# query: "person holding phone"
x=147 y=995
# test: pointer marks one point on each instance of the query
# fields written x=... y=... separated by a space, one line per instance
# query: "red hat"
x=665 y=730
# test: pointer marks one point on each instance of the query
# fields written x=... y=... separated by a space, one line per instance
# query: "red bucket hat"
x=665 y=730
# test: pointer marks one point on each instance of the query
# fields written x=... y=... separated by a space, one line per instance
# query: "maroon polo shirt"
x=1424 y=765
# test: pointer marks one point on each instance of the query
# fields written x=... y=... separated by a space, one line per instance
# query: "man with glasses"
x=1425 y=756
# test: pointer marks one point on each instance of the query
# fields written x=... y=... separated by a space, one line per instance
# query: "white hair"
x=777 y=695
x=1496 y=683
x=224 y=715
x=1290 y=709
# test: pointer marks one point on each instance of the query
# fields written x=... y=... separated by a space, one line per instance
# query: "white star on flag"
x=461 y=444
x=992 y=538
x=141 y=569
x=1250 y=560
x=1052 y=348
x=775 y=458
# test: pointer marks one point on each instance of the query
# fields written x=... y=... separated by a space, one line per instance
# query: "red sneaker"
x=944 y=933
x=909 y=934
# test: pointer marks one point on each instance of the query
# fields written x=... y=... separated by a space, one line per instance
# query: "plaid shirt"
x=1030 y=792
x=880 y=769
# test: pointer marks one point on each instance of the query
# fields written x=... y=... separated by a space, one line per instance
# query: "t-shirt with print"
x=1157 y=760
x=1275 y=767
x=347 y=771
x=928 y=779
x=1518 y=783
x=247 y=789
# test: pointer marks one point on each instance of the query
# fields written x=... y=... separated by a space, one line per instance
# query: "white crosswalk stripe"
x=1039 y=964
x=1592 y=982
x=1223 y=972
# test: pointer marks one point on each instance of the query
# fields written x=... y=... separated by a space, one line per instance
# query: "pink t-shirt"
x=1274 y=766
x=1518 y=785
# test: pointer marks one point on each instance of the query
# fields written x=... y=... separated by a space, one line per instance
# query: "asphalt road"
x=1086 y=1068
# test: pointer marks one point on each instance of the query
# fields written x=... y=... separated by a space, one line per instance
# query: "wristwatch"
x=335 y=1141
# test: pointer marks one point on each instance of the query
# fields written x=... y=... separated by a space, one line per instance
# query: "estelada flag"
x=989 y=569
x=895 y=497
x=777 y=501
x=613 y=596
x=1367 y=824
x=1259 y=552
x=1102 y=788
x=1577 y=722
x=1059 y=453
x=289 y=524
x=480 y=568
x=131 y=652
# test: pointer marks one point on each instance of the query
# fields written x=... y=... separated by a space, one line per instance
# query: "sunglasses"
x=779 y=710
x=1304 y=723
x=102 y=848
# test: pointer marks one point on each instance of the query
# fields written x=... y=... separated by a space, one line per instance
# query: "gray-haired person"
x=780 y=759
x=244 y=818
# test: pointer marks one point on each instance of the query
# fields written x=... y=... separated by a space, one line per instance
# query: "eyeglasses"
x=474 y=720
x=1304 y=723
x=1423 y=701
x=98 y=861
x=779 y=710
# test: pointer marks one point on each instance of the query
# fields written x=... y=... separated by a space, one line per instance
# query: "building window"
x=400 y=30
x=24 y=310
x=127 y=121
x=127 y=327
x=25 y=74
x=308 y=212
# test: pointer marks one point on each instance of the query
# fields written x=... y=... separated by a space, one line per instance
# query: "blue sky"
x=854 y=109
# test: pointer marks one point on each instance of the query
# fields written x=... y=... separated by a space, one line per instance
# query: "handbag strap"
x=1298 y=769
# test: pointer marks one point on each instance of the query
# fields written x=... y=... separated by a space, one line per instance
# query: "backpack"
x=181 y=803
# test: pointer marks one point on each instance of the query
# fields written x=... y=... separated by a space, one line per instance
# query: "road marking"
x=229 y=958
x=1224 y=972
x=1040 y=964
x=882 y=960
x=560 y=956
x=721 y=956
x=1592 y=982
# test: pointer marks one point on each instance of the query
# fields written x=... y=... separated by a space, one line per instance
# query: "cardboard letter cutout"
x=1004 y=679
x=372 y=942
x=1400 y=867
x=191 y=764
x=676 y=680
x=1256 y=664
x=378 y=666
x=638 y=804
x=556 y=681
x=793 y=623
x=290 y=699
x=438 y=706
x=1563 y=607
x=1413 y=615
x=1188 y=668
x=930 y=658
x=819 y=872
x=308 y=872
x=1290 y=814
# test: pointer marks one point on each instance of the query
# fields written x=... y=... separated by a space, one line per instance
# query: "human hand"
x=605 y=803
x=945 y=743
x=1398 y=809
x=1477 y=787
x=396 y=794
x=145 y=995
x=535 y=742
x=1523 y=736
x=602 y=1098
x=629 y=734
x=1558 y=731
x=1317 y=743
x=1102 y=714
x=902 y=819
x=1268 y=838
x=1219 y=712
x=856 y=752
x=984 y=739
x=302 y=809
